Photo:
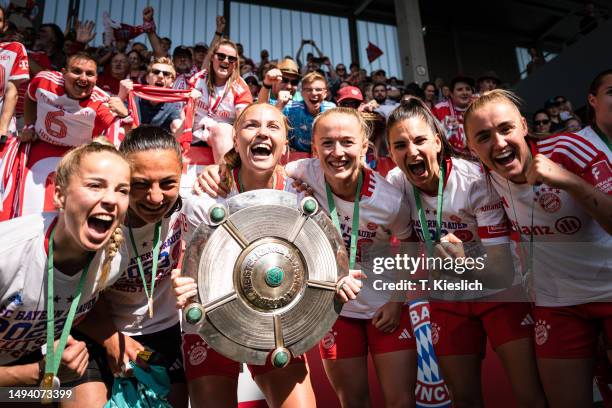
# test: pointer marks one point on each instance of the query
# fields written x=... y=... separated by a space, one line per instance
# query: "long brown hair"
x=210 y=80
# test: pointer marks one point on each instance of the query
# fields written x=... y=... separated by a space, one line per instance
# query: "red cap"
x=349 y=92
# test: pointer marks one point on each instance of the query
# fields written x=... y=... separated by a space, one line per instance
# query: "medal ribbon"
x=423 y=220
x=156 y=248
x=355 y=227
x=54 y=356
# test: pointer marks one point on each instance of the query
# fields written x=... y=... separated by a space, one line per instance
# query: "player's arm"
x=595 y=202
x=219 y=29
x=26 y=374
x=8 y=108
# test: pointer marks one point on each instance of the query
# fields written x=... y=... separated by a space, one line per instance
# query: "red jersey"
x=451 y=117
x=14 y=67
x=64 y=121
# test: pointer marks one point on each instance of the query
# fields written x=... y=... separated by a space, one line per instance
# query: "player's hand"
x=213 y=181
x=542 y=170
x=302 y=187
x=184 y=288
x=74 y=360
x=117 y=106
x=387 y=317
x=349 y=286
x=120 y=350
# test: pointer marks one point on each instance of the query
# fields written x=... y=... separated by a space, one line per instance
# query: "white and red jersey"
x=382 y=214
x=451 y=118
x=14 y=67
x=64 y=121
x=471 y=209
x=24 y=244
x=589 y=134
x=225 y=102
x=570 y=248
x=127 y=298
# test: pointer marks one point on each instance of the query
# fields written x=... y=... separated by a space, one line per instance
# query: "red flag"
x=373 y=52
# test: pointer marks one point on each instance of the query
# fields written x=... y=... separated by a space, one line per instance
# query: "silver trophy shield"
x=266 y=271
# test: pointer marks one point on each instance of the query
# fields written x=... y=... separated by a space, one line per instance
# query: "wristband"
x=267 y=86
x=219 y=34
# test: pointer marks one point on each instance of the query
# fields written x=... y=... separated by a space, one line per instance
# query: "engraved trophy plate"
x=266 y=272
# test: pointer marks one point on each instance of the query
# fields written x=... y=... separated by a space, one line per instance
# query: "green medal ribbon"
x=54 y=356
x=602 y=136
x=156 y=248
x=423 y=220
x=355 y=227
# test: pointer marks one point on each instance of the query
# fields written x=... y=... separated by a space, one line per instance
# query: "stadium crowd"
x=109 y=217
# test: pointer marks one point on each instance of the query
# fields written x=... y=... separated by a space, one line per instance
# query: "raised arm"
x=219 y=30
x=147 y=16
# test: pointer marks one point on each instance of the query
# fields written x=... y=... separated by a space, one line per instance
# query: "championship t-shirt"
x=127 y=298
x=472 y=211
x=24 y=244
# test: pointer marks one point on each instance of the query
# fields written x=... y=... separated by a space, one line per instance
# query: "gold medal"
x=150 y=306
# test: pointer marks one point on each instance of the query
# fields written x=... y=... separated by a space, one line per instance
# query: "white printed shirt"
x=571 y=248
x=382 y=213
x=127 y=298
x=23 y=286
x=64 y=121
x=471 y=209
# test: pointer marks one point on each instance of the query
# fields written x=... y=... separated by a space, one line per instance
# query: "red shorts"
x=571 y=331
x=353 y=337
x=463 y=327
x=201 y=360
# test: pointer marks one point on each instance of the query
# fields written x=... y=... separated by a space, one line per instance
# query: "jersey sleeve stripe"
x=574 y=141
x=569 y=154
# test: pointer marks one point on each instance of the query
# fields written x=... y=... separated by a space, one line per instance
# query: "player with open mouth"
x=57 y=264
x=138 y=309
x=451 y=193
x=557 y=194
x=259 y=142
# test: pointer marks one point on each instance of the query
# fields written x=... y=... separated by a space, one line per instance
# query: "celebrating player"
x=367 y=210
x=452 y=194
x=140 y=304
x=260 y=141
x=556 y=192
x=224 y=96
x=53 y=263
